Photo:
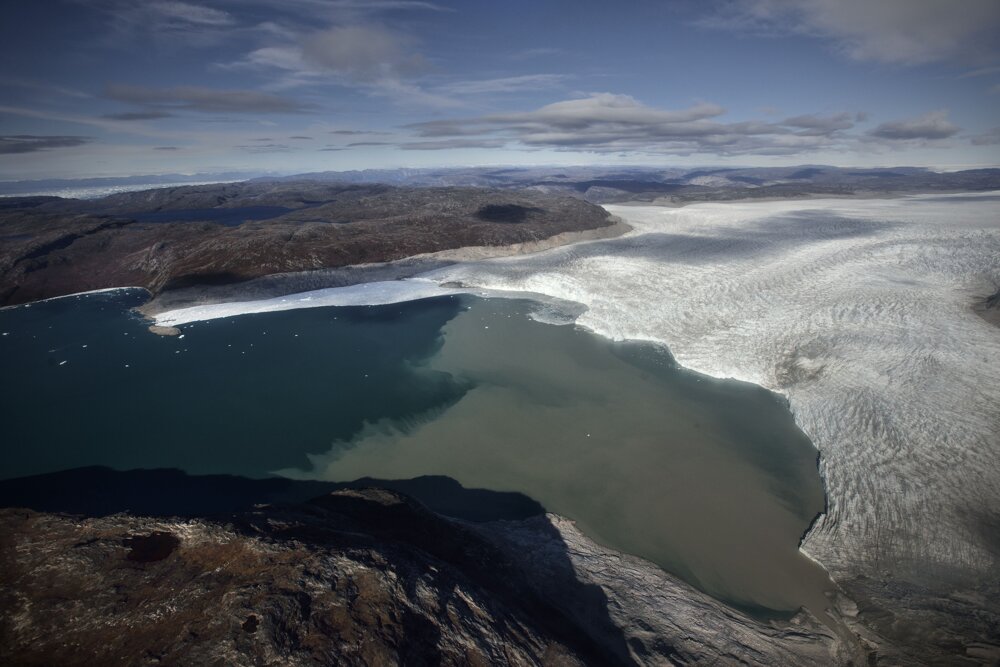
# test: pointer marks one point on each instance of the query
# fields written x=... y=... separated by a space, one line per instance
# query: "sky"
x=94 y=88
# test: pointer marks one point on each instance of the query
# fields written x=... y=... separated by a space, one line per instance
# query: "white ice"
x=860 y=312
x=380 y=293
x=365 y=294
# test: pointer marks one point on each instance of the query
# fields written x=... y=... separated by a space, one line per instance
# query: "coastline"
x=474 y=253
x=292 y=283
x=296 y=283
x=875 y=591
x=76 y=294
x=822 y=521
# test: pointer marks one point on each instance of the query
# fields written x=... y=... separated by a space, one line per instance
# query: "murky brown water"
x=709 y=479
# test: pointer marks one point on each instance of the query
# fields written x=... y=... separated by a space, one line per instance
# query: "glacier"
x=859 y=312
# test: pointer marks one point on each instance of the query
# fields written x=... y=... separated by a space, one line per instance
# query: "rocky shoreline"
x=356 y=576
x=634 y=612
x=215 y=568
x=284 y=284
x=224 y=235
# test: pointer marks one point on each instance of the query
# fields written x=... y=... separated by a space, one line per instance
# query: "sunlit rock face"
x=861 y=312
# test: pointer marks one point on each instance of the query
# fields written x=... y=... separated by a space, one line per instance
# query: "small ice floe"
x=62 y=363
x=181 y=336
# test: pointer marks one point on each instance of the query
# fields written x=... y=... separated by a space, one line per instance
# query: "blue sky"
x=112 y=87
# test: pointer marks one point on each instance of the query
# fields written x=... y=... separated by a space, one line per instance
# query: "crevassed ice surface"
x=860 y=312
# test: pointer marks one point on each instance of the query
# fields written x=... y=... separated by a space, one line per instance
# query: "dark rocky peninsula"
x=198 y=236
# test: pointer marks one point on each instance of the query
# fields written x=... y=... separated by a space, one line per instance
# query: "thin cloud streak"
x=902 y=32
x=198 y=98
x=510 y=84
x=138 y=115
x=44 y=87
x=28 y=143
x=930 y=126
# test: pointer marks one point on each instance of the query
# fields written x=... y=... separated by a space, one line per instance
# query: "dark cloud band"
x=29 y=143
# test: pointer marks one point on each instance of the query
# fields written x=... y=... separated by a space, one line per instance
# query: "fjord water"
x=85 y=383
x=709 y=479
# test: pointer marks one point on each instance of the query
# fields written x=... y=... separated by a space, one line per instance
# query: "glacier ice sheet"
x=859 y=312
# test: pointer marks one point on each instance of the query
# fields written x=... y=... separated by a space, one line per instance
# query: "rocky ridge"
x=360 y=577
x=223 y=234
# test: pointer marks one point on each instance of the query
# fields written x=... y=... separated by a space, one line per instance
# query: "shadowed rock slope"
x=359 y=576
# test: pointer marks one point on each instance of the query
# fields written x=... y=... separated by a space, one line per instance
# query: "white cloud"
x=371 y=58
x=510 y=84
x=892 y=31
x=405 y=93
x=169 y=22
x=341 y=8
x=608 y=123
x=930 y=126
x=362 y=53
x=603 y=112
x=184 y=12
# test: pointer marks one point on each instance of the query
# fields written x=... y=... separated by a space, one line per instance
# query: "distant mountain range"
x=608 y=185
x=89 y=188
x=596 y=184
